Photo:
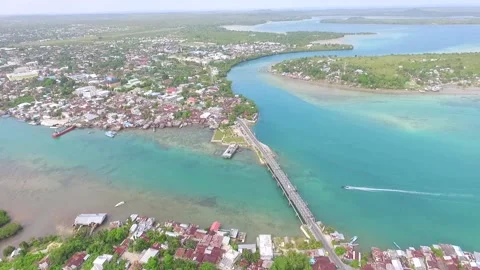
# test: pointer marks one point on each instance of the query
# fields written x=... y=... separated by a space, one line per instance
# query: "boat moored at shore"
x=111 y=134
x=58 y=133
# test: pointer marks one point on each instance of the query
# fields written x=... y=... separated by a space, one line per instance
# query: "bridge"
x=290 y=192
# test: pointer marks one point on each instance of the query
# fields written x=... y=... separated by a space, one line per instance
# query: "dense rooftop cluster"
x=143 y=243
x=146 y=82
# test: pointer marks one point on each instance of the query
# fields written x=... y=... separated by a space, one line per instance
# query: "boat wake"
x=367 y=189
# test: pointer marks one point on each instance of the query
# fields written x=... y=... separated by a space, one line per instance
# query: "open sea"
x=413 y=160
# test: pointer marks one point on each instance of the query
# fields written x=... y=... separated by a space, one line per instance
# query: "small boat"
x=120 y=204
x=397 y=245
x=353 y=240
x=346 y=187
x=110 y=134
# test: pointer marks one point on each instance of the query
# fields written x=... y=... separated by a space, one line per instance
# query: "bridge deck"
x=295 y=200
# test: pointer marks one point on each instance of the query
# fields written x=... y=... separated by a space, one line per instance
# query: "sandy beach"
x=239 y=27
x=345 y=90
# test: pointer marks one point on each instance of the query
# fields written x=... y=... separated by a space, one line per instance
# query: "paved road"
x=306 y=215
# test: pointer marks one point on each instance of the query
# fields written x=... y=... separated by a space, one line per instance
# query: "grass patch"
x=228 y=136
x=218 y=135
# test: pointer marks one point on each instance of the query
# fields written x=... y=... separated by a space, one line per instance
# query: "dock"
x=299 y=206
x=232 y=148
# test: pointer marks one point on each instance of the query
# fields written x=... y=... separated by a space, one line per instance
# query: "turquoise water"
x=408 y=143
x=421 y=144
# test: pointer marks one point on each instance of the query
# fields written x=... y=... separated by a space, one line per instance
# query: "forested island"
x=409 y=21
x=425 y=72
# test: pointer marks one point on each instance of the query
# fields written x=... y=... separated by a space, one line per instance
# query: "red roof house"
x=323 y=263
x=215 y=226
x=76 y=261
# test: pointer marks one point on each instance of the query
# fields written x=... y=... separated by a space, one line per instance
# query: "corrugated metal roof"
x=87 y=219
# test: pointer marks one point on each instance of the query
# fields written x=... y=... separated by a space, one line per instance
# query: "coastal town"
x=120 y=77
x=151 y=87
x=170 y=79
x=142 y=242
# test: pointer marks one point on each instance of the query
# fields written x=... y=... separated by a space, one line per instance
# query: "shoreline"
x=36 y=199
x=448 y=90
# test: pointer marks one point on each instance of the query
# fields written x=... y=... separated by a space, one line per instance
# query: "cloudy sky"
x=114 y=6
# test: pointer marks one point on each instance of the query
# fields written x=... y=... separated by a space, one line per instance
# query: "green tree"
x=9 y=230
x=185 y=265
x=24 y=245
x=340 y=251
x=437 y=252
x=292 y=261
x=191 y=244
x=4 y=218
x=168 y=261
x=251 y=257
x=8 y=250
x=207 y=266
x=153 y=264
x=140 y=245
x=49 y=82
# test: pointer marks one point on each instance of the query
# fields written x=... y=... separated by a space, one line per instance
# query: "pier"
x=299 y=206
x=232 y=148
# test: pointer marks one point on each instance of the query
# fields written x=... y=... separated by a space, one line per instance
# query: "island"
x=406 y=21
x=425 y=72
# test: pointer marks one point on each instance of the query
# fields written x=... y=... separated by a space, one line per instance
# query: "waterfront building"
x=90 y=219
x=215 y=226
x=265 y=245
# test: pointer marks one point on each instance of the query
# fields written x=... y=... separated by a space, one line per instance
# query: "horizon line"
x=145 y=12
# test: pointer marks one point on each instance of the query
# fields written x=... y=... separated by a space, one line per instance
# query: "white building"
x=91 y=92
x=89 y=219
x=100 y=261
x=229 y=259
x=477 y=257
x=22 y=74
x=397 y=265
x=265 y=245
x=149 y=253
x=418 y=264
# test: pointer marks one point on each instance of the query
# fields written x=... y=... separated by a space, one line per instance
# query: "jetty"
x=299 y=206
x=232 y=148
